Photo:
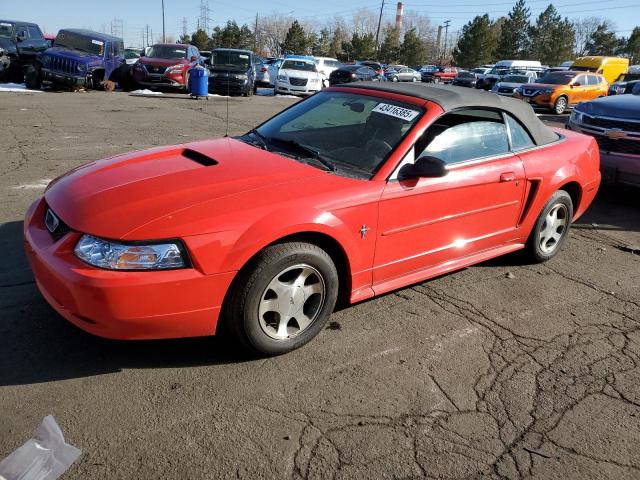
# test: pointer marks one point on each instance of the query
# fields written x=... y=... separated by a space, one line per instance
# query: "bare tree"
x=365 y=22
x=272 y=31
x=584 y=28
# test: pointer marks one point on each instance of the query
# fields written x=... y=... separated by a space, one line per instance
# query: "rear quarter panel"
x=573 y=160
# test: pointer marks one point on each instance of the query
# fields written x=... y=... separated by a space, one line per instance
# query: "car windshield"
x=628 y=77
x=82 y=43
x=355 y=133
x=6 y=29
x=557 y=78
x=128 y=54
x=298 y=65
x=466 y=75
x=516 y=79
x=228 y=59
x=168 y=52
x=479 y=70
x=499 y=70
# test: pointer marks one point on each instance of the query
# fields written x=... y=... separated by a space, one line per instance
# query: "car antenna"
x=226 y=134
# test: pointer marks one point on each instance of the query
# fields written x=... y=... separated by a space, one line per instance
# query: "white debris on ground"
x=144 y=92
x=17 y=88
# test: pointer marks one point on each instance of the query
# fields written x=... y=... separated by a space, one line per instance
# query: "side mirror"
x=575 y=84
x=427 y=166
x=21 y=36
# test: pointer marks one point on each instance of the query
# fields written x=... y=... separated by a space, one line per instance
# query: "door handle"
x=507 y=177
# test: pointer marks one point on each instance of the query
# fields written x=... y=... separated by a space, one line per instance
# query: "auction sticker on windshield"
x=395 y=111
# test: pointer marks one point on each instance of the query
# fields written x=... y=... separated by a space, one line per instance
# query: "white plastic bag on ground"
x=46 y=456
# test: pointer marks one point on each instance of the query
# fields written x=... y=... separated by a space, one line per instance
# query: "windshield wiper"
x=309 y=151
x=260 y=137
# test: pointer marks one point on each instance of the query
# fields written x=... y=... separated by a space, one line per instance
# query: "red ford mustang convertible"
x=351 y=193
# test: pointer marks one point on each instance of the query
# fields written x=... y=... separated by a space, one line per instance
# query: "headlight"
x=173 y=69
x=81 y=68
x=282 y=78
x=240 y=76
x=120 y=256
x=576 y=116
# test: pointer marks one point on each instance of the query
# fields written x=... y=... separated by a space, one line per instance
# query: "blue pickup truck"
x=80 y=58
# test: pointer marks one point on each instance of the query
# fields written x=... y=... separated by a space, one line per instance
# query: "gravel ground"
x=502 y=370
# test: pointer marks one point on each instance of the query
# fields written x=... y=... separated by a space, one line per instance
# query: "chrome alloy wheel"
x=554 y=227
x=291 y=302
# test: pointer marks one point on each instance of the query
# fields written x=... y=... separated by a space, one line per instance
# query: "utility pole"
x=446 y=34
x=378 y=30
x=255 y=34
x=163 y=35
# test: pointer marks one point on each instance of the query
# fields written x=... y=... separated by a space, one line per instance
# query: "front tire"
x=282 y=299
x=32 y=78
x=560 y=106
x=551 y=228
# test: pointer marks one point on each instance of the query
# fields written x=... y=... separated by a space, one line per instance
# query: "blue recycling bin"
x=199 y=82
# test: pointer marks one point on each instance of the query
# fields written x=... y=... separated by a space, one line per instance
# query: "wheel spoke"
x=303 y=320
x=282 y=327
x=302 y=277
x=269 y=305
x=312 y=289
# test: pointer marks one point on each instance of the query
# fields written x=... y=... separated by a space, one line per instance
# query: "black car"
x=232 y=71
x=465 y=79
x=377 y=67
x=352 y=73
x=21 y=42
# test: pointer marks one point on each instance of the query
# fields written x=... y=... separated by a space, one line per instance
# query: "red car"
x=444 y=75
x=166 y=65
x=356 y=191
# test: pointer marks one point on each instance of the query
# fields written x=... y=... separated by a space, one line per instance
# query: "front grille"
x=64 y=65
x=611 y=123
x=629 y=147
x=61 y=228
x=154 y=69
x=298 y=82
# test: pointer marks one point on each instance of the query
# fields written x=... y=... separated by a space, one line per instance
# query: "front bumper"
x=157 y=80
x=542 y=100
x=294 y=90
x=118 y=304
x=63 y=78
x=222 y=85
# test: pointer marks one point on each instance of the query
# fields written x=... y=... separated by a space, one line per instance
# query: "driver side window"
x=465 y=135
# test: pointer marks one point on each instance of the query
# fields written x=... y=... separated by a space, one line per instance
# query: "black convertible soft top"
x=451 y=98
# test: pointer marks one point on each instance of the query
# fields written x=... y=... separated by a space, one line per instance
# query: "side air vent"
x=198 y=157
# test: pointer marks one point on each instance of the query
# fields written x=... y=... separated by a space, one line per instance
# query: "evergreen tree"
x=632 y=46
x=361 y=47
x=322 y=44
x=412 y=51
x=477 y=43
x=232 y=36
x=603 y=41
x=185 y=39
x=513 y=43
x=200 y=39
x=296 y=40
x=552 y=39
x=339 y=37
x=390 y=48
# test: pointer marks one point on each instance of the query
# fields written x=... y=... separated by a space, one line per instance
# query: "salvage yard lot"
x=502 y=370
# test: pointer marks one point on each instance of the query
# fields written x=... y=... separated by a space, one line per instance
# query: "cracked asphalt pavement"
x=502 y=370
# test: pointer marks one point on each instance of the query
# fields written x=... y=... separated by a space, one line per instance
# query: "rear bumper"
x=121 y=305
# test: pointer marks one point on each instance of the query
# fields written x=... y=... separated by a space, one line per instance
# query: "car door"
x=426 y=223
x=405 y=74
x=578 y=91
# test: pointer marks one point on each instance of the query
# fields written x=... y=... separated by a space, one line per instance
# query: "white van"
x=506 y=66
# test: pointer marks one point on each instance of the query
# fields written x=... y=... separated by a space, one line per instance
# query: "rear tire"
x=282 y=299
x=551 y=228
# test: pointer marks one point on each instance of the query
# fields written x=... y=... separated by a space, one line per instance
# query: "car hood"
x=510 y=84
x=72 y=54
x=117 y=197
x=299 y=73
x=619 y=106
x=161 y=62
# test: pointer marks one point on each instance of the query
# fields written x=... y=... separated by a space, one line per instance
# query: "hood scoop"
x=198 y=157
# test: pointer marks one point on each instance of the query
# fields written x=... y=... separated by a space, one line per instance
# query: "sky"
x=136 y=15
